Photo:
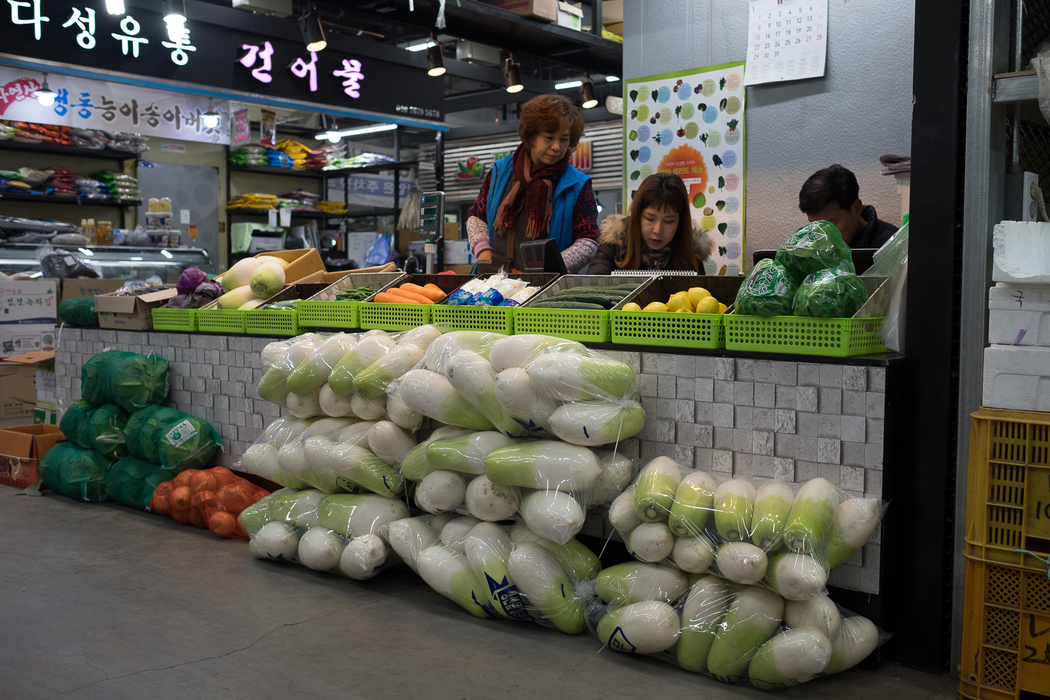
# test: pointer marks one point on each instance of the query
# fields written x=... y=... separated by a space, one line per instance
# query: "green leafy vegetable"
x=359 y=294
x=127 y=379
x=767 y=291
x=132 y=481
x=816 y=246
x=837 y=293
x=75 y=472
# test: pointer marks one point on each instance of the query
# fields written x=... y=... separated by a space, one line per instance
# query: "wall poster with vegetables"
x=692 y=123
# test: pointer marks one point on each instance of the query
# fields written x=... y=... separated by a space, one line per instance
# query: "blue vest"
x=563 y=201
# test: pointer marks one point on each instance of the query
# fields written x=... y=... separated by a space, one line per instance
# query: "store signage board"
x=691 y=123
x=372 y=190
x=787 y=40
x=267 y=58
x=97 y=104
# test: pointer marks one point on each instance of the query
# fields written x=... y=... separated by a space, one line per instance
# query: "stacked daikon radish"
x=472 y=481
x=730 y=580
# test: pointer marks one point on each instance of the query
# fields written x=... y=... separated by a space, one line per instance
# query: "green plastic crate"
x=585 y=325
x=184 y=320
x=284 y=322
x=323 y=311
x=494 y=319
x=671 y=329
x=405 y=317
x=221 y=321
x=804 y=335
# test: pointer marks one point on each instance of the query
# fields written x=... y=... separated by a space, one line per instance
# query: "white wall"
x=858 y=111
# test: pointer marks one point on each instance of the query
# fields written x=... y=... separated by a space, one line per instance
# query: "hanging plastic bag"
x=891 y=261
x=379 y=253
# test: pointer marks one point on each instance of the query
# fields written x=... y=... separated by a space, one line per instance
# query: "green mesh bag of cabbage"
x=75 y=418
x=767 y=291
x=127 y=379
x=78 y=312
x=816 y=246
x=75 y=472
x=837 y=293
x=106 y=430
x=131 y=481
x=171 y=438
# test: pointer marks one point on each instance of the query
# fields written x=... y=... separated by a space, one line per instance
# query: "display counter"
x=114 y=262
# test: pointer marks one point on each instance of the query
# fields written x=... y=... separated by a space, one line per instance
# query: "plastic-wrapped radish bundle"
x=331 y=454
x=338 y=536
x=731 y=632
x=773 y=536
x=492 y=572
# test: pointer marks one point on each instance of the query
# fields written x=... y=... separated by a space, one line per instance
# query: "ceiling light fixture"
x=512 y=75
x=569 y=84
x=115 y=7
x=435 y=60
x=334 y=136
x=420 y=47
x=587 y=91
x=45 y=95
x=211 y=118
x=313 y=32
x=175 y=19
x=612 y=78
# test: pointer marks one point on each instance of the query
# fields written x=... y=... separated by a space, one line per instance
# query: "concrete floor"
x=102 y=603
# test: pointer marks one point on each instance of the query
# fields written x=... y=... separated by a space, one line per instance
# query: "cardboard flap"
x=31 y=358
x=15 y=443
x=125 y=303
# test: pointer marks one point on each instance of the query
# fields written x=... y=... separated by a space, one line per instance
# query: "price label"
x=1038 y=503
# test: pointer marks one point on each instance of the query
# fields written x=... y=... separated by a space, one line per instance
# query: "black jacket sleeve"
x=604 y=261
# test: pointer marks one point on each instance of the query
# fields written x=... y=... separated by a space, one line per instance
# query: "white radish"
x=773 y=503
x=448 y=573
x=355 y=515
x=473 y=377
x=650 y=542
x=401 y=414
x=578 y=562
x=855 y=520
x=693 y=555
x=569 y=376
x=616 y=475
x=363 y=557
x=655 y=489
x=408 y=537
x=647 y=627
x=455 y=532
x=741 y=562
x=796 y=576
x=420 y=336
x=546 y=587
x=372 y=381
x=277 y=540
x=693 y=503
x=792 y=657
x=368 y=409
x=544 y=464
x=819 y=612
x=858 y=637
x=704 y=609
x=441 y=491
x=520 y=350
x=430 y=394
x=734 y=505
x=631 y=582
x=332 y=404
x=516 y=394
x=595 y=423
x=320 y=549
x=390 y=443
x=812 y=516
x=303 y=406
x=487 y=548
x=488 y=501
x=622 y=514
x=554 y=515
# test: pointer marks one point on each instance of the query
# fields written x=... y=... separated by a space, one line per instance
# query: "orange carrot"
x=409 y=294
x=391 y=298
x=434 y=292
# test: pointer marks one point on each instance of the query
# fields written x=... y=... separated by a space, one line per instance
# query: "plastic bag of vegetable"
x=75 y=418
x=79 y=312
x=833 y=293
x=212 y=498
x=767 y=291
x=734 y=633
x=106 y=430
x=171 y=438
x=816 y=246
x=132 y=481
x=124 y=378
x=75 y=472
x=291 y=526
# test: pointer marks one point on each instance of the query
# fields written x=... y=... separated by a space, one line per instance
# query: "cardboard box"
x=406 y=237
x=21 y=449
x=612 y=12
x=17 y=389
x=32 y=302
x=539 y=9
x=17 y=338
x=78 y=288
x=456 y=252
x=615 y=28
x=45 y=416
x=301 y=262
x=131 y=312
x=569 y=16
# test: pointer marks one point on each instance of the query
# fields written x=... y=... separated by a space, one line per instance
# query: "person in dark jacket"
x=657 y=235
x=832 y=194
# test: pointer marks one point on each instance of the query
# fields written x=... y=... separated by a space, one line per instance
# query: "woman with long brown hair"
x=657 y=235
x=534 y=194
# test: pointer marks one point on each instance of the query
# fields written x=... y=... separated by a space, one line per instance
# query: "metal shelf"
x=103 y=153
x=271 y=170
x=1015 y=87
x=377 y=168
x=296 y=213
x=62 y=199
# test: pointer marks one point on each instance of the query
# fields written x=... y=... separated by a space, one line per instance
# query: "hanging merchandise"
x=691 y=123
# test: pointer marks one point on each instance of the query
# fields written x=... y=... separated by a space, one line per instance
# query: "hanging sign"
x=99 y=104
x=222 y=48
x=240 y=127
x=691 y=123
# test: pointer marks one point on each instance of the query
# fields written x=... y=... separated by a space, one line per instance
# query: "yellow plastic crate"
x=1006 y=633
x=1008 y=487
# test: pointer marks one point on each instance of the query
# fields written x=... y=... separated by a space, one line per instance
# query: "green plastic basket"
x=283 y=322
x=323 y=311
x=221 y=321
x=671 y=329
x=494 y=319
x=585 y=325
x=184 y=320
x=392 y=317
x=804 y=335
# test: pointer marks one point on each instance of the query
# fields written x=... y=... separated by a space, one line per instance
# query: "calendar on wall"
x=787 y=40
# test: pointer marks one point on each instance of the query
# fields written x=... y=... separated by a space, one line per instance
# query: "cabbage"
x=78 y=413
x=190 y=279
x=816 y=246
x=75 y=472
x=171 y=438
x=767 y=291
x=79 y=312
x=132 y=481
x=106 y=430
x=127 y=379
x=208 y=290
x=837 y=293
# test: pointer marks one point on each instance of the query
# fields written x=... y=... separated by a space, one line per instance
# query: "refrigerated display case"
x=114 y=262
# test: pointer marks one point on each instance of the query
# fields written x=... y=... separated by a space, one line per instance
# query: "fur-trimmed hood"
x=613 y=230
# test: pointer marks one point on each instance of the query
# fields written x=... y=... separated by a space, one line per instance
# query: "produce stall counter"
x=792 y=418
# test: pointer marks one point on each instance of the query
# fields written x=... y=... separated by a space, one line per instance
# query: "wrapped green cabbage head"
x=127 y=379
x=106 y=430
x=131 y=482
x=837 y=293
x=75 y=472
x=816 y=246
x=767 y=291
x=76 y=415
x=171 y=438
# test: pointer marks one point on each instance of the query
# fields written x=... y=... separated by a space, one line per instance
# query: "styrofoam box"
x=1017 y=378
x=1019 y=314
x=1021 y=252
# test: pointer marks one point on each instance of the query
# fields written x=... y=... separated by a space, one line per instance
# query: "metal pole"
x=1015 y=141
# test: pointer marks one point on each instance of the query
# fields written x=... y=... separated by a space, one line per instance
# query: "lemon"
x=722 y=308
x=655 y=306
x=707 y=305
x=631 y=306
x=679 y=302
x=696 y=294
x=683 y=311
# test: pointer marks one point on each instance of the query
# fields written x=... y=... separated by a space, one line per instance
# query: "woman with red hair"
x=534 y=194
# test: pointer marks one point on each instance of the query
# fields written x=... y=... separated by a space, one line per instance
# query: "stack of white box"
x=1017 y=365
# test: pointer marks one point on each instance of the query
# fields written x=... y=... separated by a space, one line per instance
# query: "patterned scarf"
x=533 y=187
x=655 y=259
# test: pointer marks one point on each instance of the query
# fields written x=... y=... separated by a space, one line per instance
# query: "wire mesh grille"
x=1035 y=28
x=1035 y=150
